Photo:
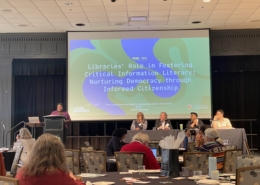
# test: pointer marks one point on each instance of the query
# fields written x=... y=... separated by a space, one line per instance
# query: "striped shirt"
x=217 y=149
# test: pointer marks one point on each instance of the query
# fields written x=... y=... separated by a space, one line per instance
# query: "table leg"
x=34 y=131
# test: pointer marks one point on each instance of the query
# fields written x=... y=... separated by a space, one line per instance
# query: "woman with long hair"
x=47 y=164
x=24 y=139
x=139 y=123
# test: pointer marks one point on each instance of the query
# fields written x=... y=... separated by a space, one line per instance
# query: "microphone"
x=3 y=125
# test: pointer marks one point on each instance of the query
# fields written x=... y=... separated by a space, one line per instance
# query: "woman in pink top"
x=46 y=164
x=60 y=112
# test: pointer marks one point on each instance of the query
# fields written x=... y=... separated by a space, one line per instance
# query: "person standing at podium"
x=60 y=112
x=163 y=123
x=139 y=123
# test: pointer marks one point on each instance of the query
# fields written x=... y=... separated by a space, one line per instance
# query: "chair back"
x=8 y=180
x=247 y=147
x=248 y=160
x=248 y=175
x=190 y=146
x=231 y=147
x=230 y=160
x=94 y=161
x=197 y=161
x=17 y=157
x=86 y=149
x=128 y=160
x=70 y=161
x=76 y=156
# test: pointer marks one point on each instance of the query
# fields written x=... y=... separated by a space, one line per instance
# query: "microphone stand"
x=3 y=132
x=12 y=129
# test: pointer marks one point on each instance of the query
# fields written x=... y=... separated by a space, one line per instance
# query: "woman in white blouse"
x=139 y=123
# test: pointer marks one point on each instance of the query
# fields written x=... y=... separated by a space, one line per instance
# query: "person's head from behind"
x=212 y=135
x=142 y=138
x=219 y=114
x=140 y=116
x=203 y=129
x=120 y=133
x=60 y=107
x=163 y=116
x=24 y=133
x=47 y=156
x=193 y=116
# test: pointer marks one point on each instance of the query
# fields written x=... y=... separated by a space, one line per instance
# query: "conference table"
x=118 y=179
x=233 y=137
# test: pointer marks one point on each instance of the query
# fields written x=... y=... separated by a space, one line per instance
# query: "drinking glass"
x=197 y=175
x=185 y=171
x=214 y=174
x=141 y=169
x=181 y=126
x=154 y=128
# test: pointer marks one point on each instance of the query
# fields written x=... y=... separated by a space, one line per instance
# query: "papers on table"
x=145 y=171
x=133 y=180
x=179 y=178
x=153 y=177
x=114 y=160
x=180 y=158
x=122 y=173
x=91 y=175
x=3 y=149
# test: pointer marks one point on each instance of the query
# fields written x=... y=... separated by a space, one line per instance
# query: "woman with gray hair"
x=212 y=144
x=25 y=140
x=139 y=144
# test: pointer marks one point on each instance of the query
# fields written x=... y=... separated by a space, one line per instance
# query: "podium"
x=55 y=125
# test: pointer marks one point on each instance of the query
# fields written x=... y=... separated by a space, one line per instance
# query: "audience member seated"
x=201 y=135
x=212 y=144
x=194 y=122
x=115 y=144
x=219 y=122
x=139 y=144
x=163 y=123
x=24 y=138
x=47 y=164
x=140 y=123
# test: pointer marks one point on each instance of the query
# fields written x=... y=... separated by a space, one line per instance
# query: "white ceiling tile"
x=94 y=9
x=63 y=3
x=37 y=20
x=131 y=14
x=75 y=9
x=32 y=15
x=158 y=22
x=115 y=8
x=179 y=18
x=235 y=20
x=162 y=18
x=18 y=21
x=198 y=18
x=57 y=20
x=243 y=16
x=221 y=16
x=183 y=7
x=7 y=25
x=177 y=22
x=229 y=1
x=54 y=15
x=231 y=6
x=57 y=24
x=91 y=3
x=21 y=3
x=96 y=15
x=202 y=12
x=219 y=12
x=12 y=16
x=191 y=2
x=3 y=21
x=50 y=9
x=101 y=24
x=159 y=13
x=255 y=16
x=117 y=3
x=79 y=19
x=39 y=24
x=137 y=2
x=137 y=8
x=97 y=20
x=119 y=24
x=244 y=11
x=160 y=2
x=75 y=15
x=205 y=6
x=118 y=19
x=219 y=21
x=141 y=23
x=172 y=13
x=160 y=8
x=45 y=3
x=248 y=5
x=206 y=3
x=28 y=10
x=116 y=14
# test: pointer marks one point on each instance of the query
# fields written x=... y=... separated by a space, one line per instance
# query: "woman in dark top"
x=115 y=144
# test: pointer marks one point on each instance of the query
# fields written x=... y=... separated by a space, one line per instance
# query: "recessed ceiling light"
x=80 y=24
x=196 y=22
x=68 y=3
x=6 y=10
x=206 y=1
x=23 y=25
x=138 y=18
x=255 y=21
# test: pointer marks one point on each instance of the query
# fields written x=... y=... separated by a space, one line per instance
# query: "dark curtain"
x=39 y=84
x=236 y=90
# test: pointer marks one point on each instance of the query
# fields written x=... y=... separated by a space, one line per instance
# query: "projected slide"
x=114 y=78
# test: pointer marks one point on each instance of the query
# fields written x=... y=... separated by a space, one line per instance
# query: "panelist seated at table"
x=61 y=112
x=115 y=143
x=139 y=144
x=139 y=123
x=163 y=123
x=212 y=143
x=194 y=122
x=47 y=164
x=219 y=122
x=24 y=139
